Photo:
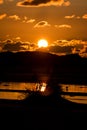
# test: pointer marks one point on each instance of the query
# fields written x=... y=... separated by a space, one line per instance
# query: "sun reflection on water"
x=19 y=91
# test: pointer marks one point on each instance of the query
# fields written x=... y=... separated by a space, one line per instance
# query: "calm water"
x=17 y=90
x=11 y=90
x=80 y=93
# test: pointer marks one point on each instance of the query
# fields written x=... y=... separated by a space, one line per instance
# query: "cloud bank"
x=10 y=45
x=69 y=47
x=59 y=47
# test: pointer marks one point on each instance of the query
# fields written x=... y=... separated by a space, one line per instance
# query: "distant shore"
x=43 y=66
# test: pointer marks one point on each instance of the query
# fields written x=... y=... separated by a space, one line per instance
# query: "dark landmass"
x=42 y=66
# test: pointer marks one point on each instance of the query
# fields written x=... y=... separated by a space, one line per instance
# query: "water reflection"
x=76 y=99
x=74 y=88
x=18 y=86
x=41 y=87
x=12 y=95
x=19 y=90
x=75 y=93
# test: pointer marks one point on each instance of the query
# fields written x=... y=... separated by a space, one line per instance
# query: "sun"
x=42 y=43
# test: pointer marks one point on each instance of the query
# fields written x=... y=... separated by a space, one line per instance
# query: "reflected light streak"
x=43 y=87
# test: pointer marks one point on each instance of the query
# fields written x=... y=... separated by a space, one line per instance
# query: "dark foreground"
x=40 y=112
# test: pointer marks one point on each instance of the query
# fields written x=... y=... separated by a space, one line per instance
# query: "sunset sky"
x=58 y=21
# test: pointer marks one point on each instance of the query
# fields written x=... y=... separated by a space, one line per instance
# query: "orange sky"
x=34 y=19
x=31 y=20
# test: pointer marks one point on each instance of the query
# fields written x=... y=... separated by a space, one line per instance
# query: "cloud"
x=10 y=0
x=26 y=20
x=42 y=24
x=15 y=17
x=60 y=47
x=2 y=16
x=74 y=16
x=68 y=47
x=63 y=26
x=70 y=17
x=16 y=45
x=67 y=3
x=1 y=1
x=17 y=38
x=30 y=21
x=40 y=3
x=78 y=17
x=84 y=49
x=74 y=43
x=84 y=16
x=25 y=17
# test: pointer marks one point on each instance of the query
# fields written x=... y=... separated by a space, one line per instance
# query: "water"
x=18 y=91
x=75 y=93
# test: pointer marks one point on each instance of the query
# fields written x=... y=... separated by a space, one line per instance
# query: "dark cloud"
x=10 y=45
x=13 y=47
x=69 y=47
x=16 y=45
x=35 y=3
x=61 y=49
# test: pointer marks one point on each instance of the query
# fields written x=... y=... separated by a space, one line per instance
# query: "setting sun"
x=42 y=43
